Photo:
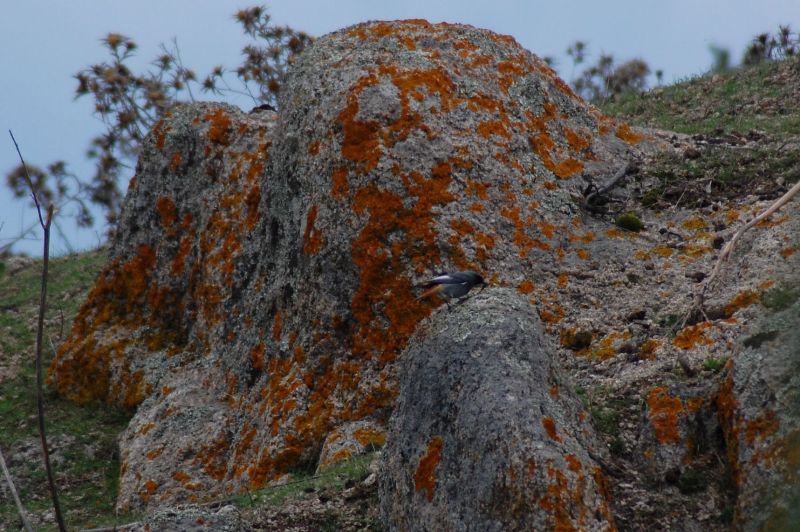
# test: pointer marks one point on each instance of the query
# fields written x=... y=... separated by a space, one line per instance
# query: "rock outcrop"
x=486 y=435
x=261 y=283
x=260 y=287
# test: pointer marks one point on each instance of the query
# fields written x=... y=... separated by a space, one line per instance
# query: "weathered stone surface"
x=261 y=283
x=260 y=287
x=486 y=435
x=759 y=405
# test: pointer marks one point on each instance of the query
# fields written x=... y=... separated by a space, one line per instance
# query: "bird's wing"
x=460 y=278
x=444 y=279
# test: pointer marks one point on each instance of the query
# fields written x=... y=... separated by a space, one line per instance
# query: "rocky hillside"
x=257 y=310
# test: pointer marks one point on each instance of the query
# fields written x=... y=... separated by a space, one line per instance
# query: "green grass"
x=82 y=439
x=335 y=478
x=743 y=99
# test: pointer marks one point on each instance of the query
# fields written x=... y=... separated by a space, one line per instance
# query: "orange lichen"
x=152 y=454
x=257 y=356
x=696 y=224
x=742 y=300
x=567 y=168
x=220 y=127
x=563 y=279
x=313 y=148
x=576 y=142
x=339 y=187
x=425 y=475
x=373 y=437
x=648 y=349
x=550 y=426
x=525 y=287
x=761 y=427
x=477 y=189
x=663 y=251
x=493 y=127
x=690 y=336
x=167 y=210
x=664 y=412
x=312 y=239
x=175 y=162
x=625 y=133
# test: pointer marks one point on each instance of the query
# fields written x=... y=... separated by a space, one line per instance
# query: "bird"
x=452 y=285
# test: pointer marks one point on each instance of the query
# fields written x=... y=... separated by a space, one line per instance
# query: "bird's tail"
x=434 y=290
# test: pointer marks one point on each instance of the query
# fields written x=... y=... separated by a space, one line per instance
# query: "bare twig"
x=39 y=334
x=699 y=299
x=20 y=509
x=611 y=184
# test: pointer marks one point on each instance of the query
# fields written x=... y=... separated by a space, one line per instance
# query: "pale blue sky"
x=43 y=43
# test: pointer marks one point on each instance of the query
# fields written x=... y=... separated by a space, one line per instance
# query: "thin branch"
x=20 y=509
x=39 y=334
x=28 y=178
x=611 y=184
x=699 y=299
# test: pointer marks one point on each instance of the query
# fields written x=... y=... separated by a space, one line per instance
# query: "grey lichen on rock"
x=486 y=434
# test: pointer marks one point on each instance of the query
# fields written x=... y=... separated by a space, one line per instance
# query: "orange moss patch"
x=425 y=475
x=741 y=300
x=606 y=348
x=167 y=210
x=312 y=239
x=366 y=437
x=663 y=251
x=525 y=287
x=550 y=426
x=625 y=133
x=761 y=427
x=664 y=412
x=567 y=168
x=175 y=162
x=648 y=349
x=257 y=356
x=696 y=224
x=493 y=127
x=693 y=335
x=220 y=127
x=339 y=187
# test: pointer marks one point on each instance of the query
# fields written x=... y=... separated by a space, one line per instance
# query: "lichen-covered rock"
x=759 y=405
x=486 y=435
x=348 y=440
x=261 y=283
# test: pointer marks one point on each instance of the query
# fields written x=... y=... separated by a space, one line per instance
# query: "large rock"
x=486 y=435
x=759 y=405
x=260 y=287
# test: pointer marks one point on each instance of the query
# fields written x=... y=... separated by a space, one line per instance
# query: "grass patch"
x=83 y=440
x=713 y=364
x=336 y=478
x=760 y=97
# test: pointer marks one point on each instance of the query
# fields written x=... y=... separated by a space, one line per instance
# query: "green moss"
x=713 y=364
x=780 y=298
x=630 y=222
